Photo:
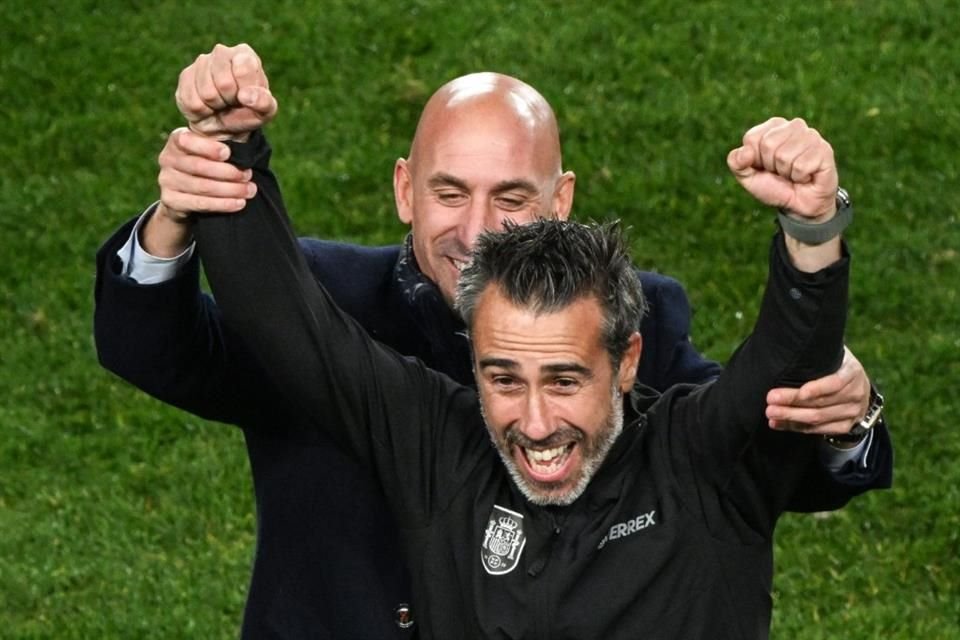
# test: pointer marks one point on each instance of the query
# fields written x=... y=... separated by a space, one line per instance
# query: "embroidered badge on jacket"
x=503 y=541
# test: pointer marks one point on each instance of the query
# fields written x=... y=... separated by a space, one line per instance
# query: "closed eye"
x=511 y=204
x=451 y=198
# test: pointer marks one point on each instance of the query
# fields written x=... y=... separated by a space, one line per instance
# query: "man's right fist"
x=225 y=94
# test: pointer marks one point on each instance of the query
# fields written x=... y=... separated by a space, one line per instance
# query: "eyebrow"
x=567 y=367
x=446 y=180
x=441 y=179
x=503 y=363
x=515 y=185
x=557 y=367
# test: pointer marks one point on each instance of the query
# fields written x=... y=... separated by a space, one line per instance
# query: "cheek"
x=588 y=413
x=500 y=411
x=524 y=216
x=433 y=221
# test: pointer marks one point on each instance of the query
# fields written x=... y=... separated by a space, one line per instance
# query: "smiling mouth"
x=548 y=465
x=459 y=265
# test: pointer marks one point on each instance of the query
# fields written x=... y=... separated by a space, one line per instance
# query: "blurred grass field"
x=123 y=518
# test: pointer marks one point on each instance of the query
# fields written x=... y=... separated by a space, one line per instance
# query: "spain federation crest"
x=503 y=541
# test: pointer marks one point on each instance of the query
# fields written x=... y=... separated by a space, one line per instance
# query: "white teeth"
x=546 y=455
x=459 y=265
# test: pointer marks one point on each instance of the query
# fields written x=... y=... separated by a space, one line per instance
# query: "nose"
x=537 y=423
x=480 y=215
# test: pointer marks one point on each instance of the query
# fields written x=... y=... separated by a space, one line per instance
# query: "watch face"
x=843 y=198
x=873 y=413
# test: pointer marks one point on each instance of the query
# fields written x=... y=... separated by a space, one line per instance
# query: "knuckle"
x=243 y=47
x=222 y=83
x=208 y=93
x=804 y=166
x=203 y=188
x=766 y=145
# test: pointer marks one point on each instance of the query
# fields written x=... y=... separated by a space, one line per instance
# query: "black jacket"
x=326 y=562
x=672 y=538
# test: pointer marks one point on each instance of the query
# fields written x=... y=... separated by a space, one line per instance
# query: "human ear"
x=629 y=362
x=563 y=195
x=403 y=190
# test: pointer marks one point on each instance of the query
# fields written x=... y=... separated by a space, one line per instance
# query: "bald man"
x=486 y=149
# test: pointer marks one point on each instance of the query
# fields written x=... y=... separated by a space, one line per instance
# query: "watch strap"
x=866 y=424
x=818 y=233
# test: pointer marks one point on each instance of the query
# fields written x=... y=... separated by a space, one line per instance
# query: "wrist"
x=814 y=231
x=222 y=136
x=173 y=215
x=167 y=233
x=862 y=427
x=845 y=442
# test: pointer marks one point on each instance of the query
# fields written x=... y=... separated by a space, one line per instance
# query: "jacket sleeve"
x=388 y=411
x=167 y=339
x=823 y=490
x=798 y=336
x=669 y=358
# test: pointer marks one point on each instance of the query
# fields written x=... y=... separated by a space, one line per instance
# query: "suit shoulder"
x=656 y=284
x=340 y=263
x=358 y=278
x=333 y=254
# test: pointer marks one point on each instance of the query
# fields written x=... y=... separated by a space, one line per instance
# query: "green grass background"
x=123 y=518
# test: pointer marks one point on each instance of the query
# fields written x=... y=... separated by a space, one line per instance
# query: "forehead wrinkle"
x=568 y=346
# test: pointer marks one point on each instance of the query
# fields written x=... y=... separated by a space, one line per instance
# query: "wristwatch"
x=812 y=233
x=860 y=430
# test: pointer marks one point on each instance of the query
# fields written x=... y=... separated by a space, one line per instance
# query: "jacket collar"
x=442 y=328
x=605 y=487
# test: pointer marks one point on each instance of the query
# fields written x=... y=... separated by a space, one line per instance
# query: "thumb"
x=741 y=162
x=259 y=100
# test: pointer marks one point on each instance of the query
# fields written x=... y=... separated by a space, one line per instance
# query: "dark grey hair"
x=547 y=265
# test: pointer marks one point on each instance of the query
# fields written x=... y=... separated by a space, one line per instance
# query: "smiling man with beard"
x=603 y=510
x=551 y=405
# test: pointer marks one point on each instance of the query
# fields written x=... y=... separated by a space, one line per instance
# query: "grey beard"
x=606 y=437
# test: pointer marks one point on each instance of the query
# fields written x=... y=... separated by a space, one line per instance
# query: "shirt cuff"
x=144 y=268
x=836 y=459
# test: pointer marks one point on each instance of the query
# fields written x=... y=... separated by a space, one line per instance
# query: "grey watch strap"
x=810 y=233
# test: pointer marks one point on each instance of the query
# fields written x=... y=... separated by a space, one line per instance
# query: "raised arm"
x=162 y=334
x=380 y=407
x=223 y=95
x=798 y=335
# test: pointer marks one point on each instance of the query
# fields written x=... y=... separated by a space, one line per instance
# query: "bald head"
x=491 y=103
x=486 y=150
